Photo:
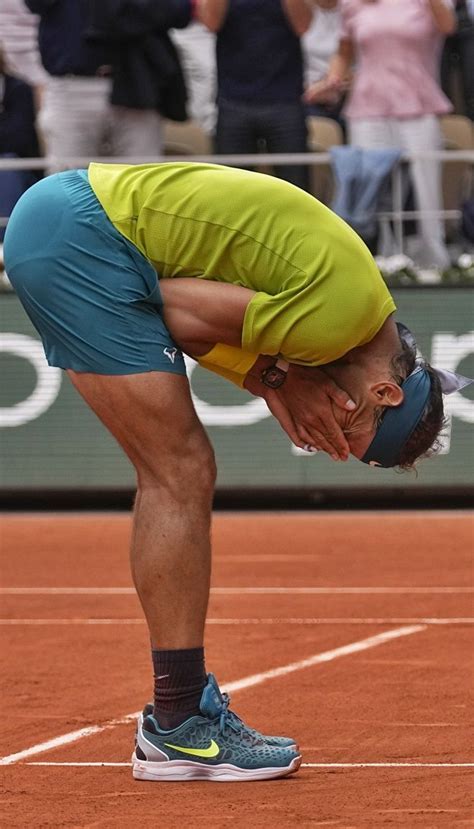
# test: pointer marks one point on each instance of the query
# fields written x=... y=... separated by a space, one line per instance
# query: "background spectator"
x=18 y=138
x=81 y=45
x=458 y=58
x=197 y=51
x=320 y=43
x=260 y=77
x=74 y=119
x=147 y=79
x=395 y=97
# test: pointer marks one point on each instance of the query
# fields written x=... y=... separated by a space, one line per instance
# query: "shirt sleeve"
x=317 y=323
x=231 y=363
x=285 y=325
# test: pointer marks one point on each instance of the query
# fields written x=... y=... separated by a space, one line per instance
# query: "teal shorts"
x=92 y=296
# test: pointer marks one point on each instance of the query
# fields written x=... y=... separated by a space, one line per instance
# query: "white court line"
x=222 y=558
x=388 y=765
x=303 y=765
x=230 y=591
x=345 y=621
x=244 y=515
x=65 y=739
x=238 y=685
x=349 y=620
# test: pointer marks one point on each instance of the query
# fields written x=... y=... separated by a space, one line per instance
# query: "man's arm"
x=200 y=313
x=229 y=363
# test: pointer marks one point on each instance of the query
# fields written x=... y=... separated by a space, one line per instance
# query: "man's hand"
x=303 y=406
x=309 y=395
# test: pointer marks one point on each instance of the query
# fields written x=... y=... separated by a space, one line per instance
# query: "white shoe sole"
x=177 y=770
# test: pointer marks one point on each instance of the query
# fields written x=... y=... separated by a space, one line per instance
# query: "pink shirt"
x=397 y=46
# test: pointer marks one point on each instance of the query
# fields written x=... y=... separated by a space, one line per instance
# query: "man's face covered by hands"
x=372 y=392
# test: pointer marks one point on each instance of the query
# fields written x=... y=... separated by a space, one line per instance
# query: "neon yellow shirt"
x=318 y=290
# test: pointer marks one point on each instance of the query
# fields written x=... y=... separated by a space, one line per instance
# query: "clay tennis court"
x=350 y=631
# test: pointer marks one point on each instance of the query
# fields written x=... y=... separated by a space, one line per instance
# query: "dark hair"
x=424 y=440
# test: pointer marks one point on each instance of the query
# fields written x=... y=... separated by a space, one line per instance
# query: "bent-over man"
x=121 y=269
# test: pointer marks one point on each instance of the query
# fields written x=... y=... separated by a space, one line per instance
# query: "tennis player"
x=121 y=269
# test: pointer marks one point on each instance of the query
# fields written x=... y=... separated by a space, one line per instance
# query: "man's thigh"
x=152 y=417
x=90 y=293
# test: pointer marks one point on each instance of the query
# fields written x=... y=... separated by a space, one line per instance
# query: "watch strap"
x=282 y=364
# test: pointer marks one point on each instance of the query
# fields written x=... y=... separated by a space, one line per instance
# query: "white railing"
x=397 y=215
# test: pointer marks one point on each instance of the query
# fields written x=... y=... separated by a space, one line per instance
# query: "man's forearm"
x=200 y=313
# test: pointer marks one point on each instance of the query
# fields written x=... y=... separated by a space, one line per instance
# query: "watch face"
x=273 y=377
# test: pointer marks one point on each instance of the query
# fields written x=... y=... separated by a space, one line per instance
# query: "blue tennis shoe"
x=282 y=742
x=214 y=745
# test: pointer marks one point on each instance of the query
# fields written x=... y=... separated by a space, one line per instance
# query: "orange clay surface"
x=75 y=658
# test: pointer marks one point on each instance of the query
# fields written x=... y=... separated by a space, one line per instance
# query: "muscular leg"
x=152 y=417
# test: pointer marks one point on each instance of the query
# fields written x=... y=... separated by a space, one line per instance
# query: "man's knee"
x=153 y=419
x=187 y=473
x=199 y=467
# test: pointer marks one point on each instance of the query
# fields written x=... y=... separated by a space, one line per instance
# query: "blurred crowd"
x=88 y=78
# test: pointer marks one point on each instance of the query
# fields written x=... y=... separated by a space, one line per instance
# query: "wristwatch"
x=274 y=376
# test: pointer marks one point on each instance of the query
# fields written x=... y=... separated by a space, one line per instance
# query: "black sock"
x=180 y=677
